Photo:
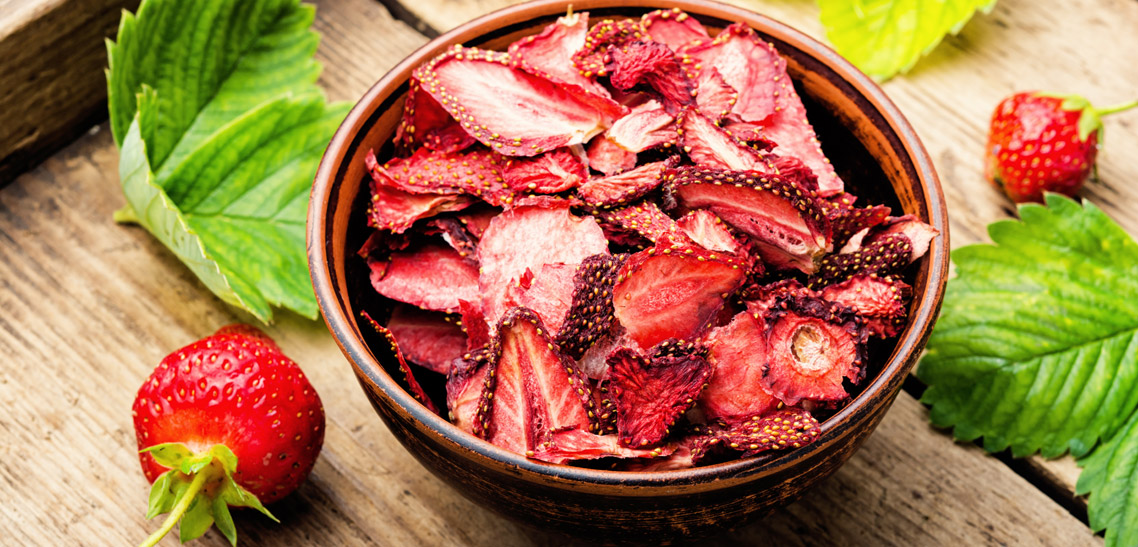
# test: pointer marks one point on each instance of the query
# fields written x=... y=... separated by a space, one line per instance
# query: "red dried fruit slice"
x=881 y=301
x=426 y=123
x=651 y=394
x=646 y=219
x=760 y=299
x=791 y=131
x=549 y=173
x=883 y=255
x=590 y=60
x=473 y=324
x=738 y=357
x=395 y=210
x=651 y=67
x=477 y=172
x=812 y=346
x=673 y=27
x=454 y=232
x=589 y=315
x=529 y=237
x=711 y=146
x=847 y=220
x=412 y=385
x=752 y=134
x=515 y=110
x=785 y=220
x=793 y=169
x=714 y=97
x=577 y=444
x=624 y=187
x=646 y=126
x=919 y=234
x=433 y=277
x=608 y=157
x=709 y=231
x=593 y=363
x=429 y=339
x=672 y=292
x=551 y=51
x=468 y=385
x=605 y=405
x=784 y=429
x=550 y=293
x=477 y=219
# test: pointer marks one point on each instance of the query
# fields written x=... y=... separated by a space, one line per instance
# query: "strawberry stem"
x=176 y=513
x=1116 y=108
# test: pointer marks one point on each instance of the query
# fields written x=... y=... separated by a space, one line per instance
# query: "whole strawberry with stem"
x=1042 y=142
x=225 y=421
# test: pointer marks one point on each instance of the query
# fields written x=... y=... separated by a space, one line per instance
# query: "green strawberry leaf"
x=1036 y=347
x=884 y=37
x=221 y=127
x=1110 y=476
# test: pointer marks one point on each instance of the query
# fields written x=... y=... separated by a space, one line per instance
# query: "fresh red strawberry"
x=577 y=444
x=429 y=339
x=608 y=157
x=432 y=276
x=738 y=358
x=1040 y=142
x=812 y=346
x=551 y=50
x=647 y=125
x=881 y=301
x=590 y=313
x=673 y=27
x=651 y=393
x=412 y=384
x=425 y=122
x=555 y=171
x=623 y=188
x=228 y=420
x=709 y=145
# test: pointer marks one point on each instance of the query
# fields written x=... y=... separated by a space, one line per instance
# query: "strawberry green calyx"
x=197 y=491
x=1090 y=118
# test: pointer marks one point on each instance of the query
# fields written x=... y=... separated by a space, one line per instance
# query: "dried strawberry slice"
x=590 y=60
x=919 y=234
x=883 y=255
x=711 y=146
x=473 y=324
x=478 y=172
x=529 y=237
x=778 y=430
x=413 y=386
x=785 y=220
x=672 y=292
x=469 y=390
x=550 y=293
x=812 y=346
x=393 y=209
x=738 y=358
x=673 y=27
x=714 y=97
x=576 y=444
x=454 y=232
x=605 y=405
x=514 y=109
x=623 y=187
x=549 y=173
x=709 y=231
x=847 y=220
x=651 y=394
x=589 y=316
x=652 y=67
x=551 y=51
x=608 y=157
x=476 y=219
x=791 y=131
x=880 y=301
x=434 y=277
x=759 y=299
x=646 y=126
x=426 y=123
x=646 y=219
x=793 y=169
x=429 y=339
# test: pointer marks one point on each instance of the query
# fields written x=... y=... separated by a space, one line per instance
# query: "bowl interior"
x=868 y=141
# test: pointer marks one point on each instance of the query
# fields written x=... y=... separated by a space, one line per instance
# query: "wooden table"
x=87 y=307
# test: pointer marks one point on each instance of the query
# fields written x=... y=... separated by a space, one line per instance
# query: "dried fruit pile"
x=623 y=241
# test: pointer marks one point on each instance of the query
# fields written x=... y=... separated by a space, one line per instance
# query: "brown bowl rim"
x=367 y=366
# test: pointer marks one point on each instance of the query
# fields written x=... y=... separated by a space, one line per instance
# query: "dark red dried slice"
x=672 y=292
x=847 y=220
x=919 y=234
x=590 y=59
x=549 y=173
x=478 y=172
x=812 y=346
x=551 y=51
x=429 y=339
x=673 y=27
x=529 y=237
x=651 y=394
x=711 y=146
x=785 y=220
x=468 y=385
x=793 y=169
x=784 y=429
x=883 y=255
x=412 y=385
x=646 y=126
x=434 y=277
x=759 y=299
x=576 y=444
x=881 y=301
x=477 y=219
x=513 y=109
x=395 y=210
x=646 y=219
x=651 y=67
x=624 y=187
x=550 y=293
x=608 y=157
x=426 y=123
x=714 y=97
x=589 y=316
x=709 y=231
x=474 y=324
x=738 y=357
x=454 y=232
x=605 y=405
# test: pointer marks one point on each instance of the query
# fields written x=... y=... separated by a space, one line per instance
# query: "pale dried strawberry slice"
x=589 y=314
x=651 y=67
x=431 y=340
x=709 y=231
x=882 y=255
x=529 y=237
x=672 y=292
x=426 y=123
x=881 y=301
x=624 y=187
x=576 y=444
x=919 y=234
x=812 y=346
x=650 y=394
x=784 y=429
x=393 y=209
x=785 y=220
x=738 y=357
x=513 y=109
x=549 y=173
x=412 y=385
x=846 y=219
x=714 y=96
x=711 y=146
x=433 y=276
x=748 y=64
x=550 y=293
x=454 y=232
x=478 y=172
x=791 y=131
x=470 y=388
x=608 y=157
x=551 y=51
x=646 y=126
x=646 y=219
x=673 y=27
x=590 y=60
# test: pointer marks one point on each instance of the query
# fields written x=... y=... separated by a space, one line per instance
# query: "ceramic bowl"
x=868 y=140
